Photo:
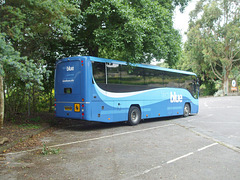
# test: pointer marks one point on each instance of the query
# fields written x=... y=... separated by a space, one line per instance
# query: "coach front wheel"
x=134 y=116
x=186 y=110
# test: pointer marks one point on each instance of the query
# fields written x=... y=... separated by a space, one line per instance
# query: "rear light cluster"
x=79 y=108
x=55 y=107
x=82 y=111
x=82 y=62
x=82 y=106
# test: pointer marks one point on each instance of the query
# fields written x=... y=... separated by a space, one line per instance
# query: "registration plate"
x=68 y=108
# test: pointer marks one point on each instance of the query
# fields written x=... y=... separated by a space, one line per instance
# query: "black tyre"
x=134 y=116
x=186 y=110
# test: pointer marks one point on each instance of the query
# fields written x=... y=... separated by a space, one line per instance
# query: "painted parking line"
x=113 y=135
x=97 y=138
x=206 y=147
x=172 y=161
x=181 y=157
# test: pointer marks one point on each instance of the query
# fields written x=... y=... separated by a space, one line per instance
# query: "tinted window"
x=132 y=75
x=154 y=78
x=113 y=73
x=99 y=72
x=122 y=78
x=171 y=79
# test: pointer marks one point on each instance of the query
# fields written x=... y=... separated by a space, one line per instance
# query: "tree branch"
x=215 y=72
x=235 y=60
x=236 y=54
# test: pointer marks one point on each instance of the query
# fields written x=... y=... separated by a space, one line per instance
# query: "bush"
x=207 y=89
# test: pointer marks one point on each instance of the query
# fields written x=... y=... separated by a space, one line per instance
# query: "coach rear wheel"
x=134 y=116
x=186 y=110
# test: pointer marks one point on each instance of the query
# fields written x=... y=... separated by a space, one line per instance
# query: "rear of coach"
x=70 y=88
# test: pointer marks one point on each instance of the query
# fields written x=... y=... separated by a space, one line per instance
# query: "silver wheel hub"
x=134 y=116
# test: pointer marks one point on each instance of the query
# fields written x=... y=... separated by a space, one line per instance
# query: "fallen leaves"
x=29 y=143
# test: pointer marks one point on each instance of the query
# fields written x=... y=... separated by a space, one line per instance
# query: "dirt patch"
x=26 y=132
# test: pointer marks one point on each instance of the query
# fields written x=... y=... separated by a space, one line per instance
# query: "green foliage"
x=13 y=67
x=35 y=119
x=207 y=89
x=135 y=31
x=20 y=76
x=48 y=151
x=30 y=32
x=8 y=56
x=29 y=126
x=212 y=48
x=28 y=22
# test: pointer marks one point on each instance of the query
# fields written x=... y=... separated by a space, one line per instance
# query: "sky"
x=181 y=19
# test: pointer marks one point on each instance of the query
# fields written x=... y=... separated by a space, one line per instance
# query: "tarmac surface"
x=203 y=146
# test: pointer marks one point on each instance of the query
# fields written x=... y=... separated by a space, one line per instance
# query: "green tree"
x=135 y=31
x=40 y=31
x=12 y=65
x=213 y=47
x=34 y=29
x=32 y=26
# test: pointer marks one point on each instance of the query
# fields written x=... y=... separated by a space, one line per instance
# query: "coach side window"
x=99 y=72
x=113 y=73
x=154 y=78
x=131 y=75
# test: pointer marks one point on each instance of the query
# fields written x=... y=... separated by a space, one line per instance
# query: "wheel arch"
x=136 y=109
x=189 y=105
x=189 y=112
x=137 y=105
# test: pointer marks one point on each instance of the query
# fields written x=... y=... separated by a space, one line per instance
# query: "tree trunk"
x=225 y=83
x=93 y=51
x=1 y=102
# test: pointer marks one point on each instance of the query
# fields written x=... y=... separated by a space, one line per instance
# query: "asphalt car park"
x=203 y=146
